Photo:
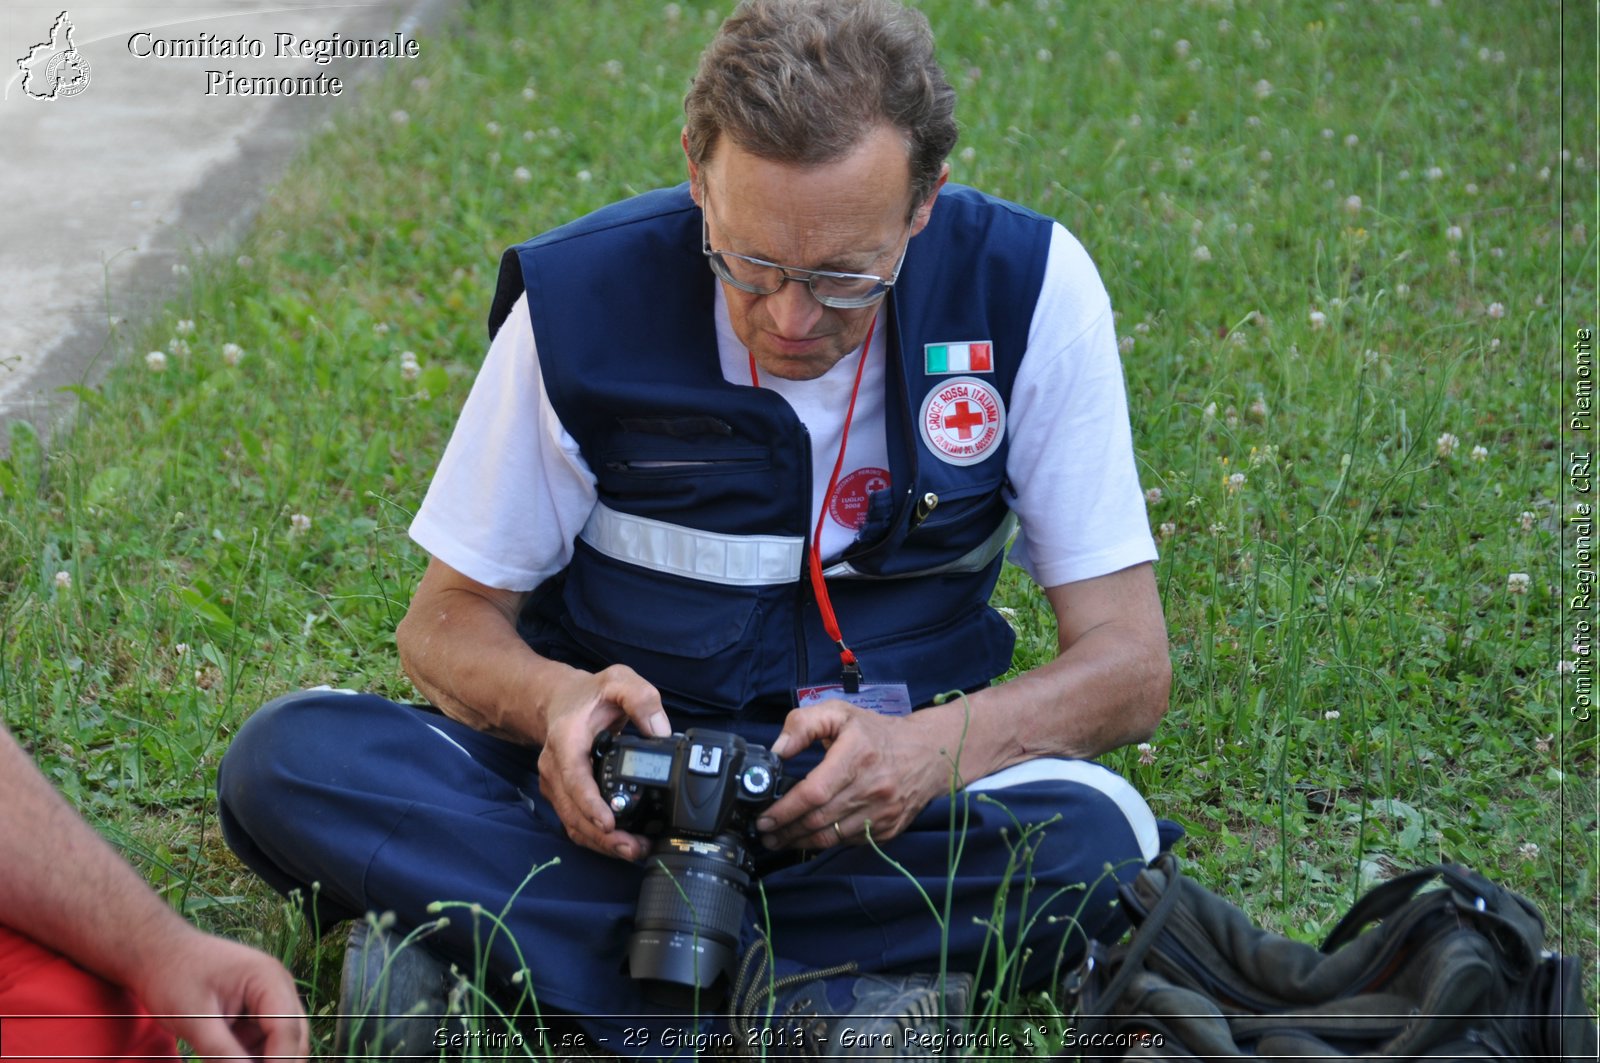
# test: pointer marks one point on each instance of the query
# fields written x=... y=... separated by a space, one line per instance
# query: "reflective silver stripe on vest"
x=737 y=560
x=974 y=560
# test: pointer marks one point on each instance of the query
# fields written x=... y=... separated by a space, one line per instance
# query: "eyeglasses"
x=842 y=291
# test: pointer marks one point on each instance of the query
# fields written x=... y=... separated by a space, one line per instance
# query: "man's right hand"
x=459 y=644
x=585 y=705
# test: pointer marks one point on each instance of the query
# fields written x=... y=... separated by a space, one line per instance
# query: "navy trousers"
x=363 y=805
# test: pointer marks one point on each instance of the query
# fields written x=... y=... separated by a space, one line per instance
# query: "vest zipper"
x=803 y=592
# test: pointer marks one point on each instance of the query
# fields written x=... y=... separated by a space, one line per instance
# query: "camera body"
x=696 y=795
x=700 y=784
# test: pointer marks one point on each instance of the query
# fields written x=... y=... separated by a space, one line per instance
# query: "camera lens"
x=686 y=929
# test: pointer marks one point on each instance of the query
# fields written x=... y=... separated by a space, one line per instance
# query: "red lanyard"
x=851 y=671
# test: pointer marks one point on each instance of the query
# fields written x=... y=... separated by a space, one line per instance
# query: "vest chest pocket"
x=696 y=638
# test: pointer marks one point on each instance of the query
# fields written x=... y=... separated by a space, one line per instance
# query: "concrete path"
x=134 y=168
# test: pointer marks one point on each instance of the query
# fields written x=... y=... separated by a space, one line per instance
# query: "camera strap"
x=849 y=668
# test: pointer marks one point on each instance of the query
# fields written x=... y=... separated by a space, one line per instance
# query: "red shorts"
x=51 y=1007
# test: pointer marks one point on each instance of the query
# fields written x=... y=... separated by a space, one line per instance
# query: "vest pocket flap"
x=627 y=605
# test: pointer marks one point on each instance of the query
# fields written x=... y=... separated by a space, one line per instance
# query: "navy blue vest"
x=689 y=572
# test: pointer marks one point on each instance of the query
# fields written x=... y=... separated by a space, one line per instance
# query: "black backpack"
x=1453 y=973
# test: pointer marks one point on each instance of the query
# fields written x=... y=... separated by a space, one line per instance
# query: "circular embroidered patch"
x=963 y=420
x=848 y=506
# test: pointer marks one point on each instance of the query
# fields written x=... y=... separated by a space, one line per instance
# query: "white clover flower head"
x=420 y=84
x=1264 y=157
x=1331 y=714
x=1318 y=319
x=1167 y=530
x=180 y=649
x=1234 y=483
x=1446 y=444
x=184 y=326
x=1258 y=408
x=1351 y=140
x=529 y=93
x=244 y=262
x=178 y=348
x=1043 y=55
x=1518 y=583
x=1210 y=411
x=1352 y=205
x=399 y=117
x=1542 y=743
x=1009 y=615
x=1202 y=253
x=1528 y=851
x=1453 y=234
x=1433 y=173
x=1152 y=497
x=1135 y=120
x=969 y=153
x=522 y=175
x=1147 y=753
x=1180 y=48
x=410 y=368
x=1263 y=89
x=612 y=68
x=1565 y=667
x=1471 y=189
x=492 y=128
x=584 y=176
x=1327 y=134
x=1497 y=310
x=1217 y=528
x=1528 y=519
x=232 y=353
x=672 y=12
x=156 y=361
x=1253 y=121
x=63 y=580
x=1125 y=344
x=299 y=523
x=1479 y=453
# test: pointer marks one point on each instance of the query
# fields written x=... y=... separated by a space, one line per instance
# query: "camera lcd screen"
x=641 y=764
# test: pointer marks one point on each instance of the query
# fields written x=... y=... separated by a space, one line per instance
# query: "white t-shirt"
x=512 y=493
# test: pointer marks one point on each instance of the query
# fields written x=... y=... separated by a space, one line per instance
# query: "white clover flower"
x=380 y=329
x=1125 y=344
x=1152 y=497
x=63 y=580
x=1234 y=483
x=299 y=524
x=1564 y=667
x=1210 y=411
x=529 y=93
x=180 y=649
x=1433 y=173
x=522 y=175
x=1202 y=253
x=232 y=353
x=1527 y=520
x=1351 y=140
x=1147 y=753
x=410 y=369
x=492 y=128
x=1528 y=851
x=1446 y=444
x=672 y=12
x=1010 y=616
x=1135 y=120
x=968 y=154
x=1318 y=318
x=1253 y=121
x=1352 y=205
x=1264 y=157
x=179 y=348
x=1327 y=134
x=1497 y=310
x=1258 y=408
x=1518 y=583
x=1043 y=55
x=1331 y=714
x=1217 y=528
x=1167 y=530
x=399 y=117
x=1471 y=189
x=1402 y=289
x=1263 y=89
x=1479 y=453
x=184 y=326
x=612 y=68
x=1180 y=48
x=584 y=176
x=420 y=84
x=156 y=361
x=244 y=262
x=1542 y=743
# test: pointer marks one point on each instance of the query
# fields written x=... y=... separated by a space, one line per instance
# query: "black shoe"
x=393 y=997
x=836 y=1013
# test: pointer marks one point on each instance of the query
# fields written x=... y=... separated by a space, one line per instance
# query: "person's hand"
x=878 y=770
x=585 y=705
x=227 y=1000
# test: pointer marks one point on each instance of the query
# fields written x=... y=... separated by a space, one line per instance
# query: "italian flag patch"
x=973 y=357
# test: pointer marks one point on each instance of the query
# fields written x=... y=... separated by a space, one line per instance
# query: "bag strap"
x=1472 y=892
x=1131 y=962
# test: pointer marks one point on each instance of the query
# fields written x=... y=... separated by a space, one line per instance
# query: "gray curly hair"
x=801 y=81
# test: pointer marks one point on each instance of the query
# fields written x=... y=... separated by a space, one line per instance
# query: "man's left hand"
x=878 y=773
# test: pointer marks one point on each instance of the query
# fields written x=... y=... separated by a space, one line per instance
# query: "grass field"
x=1348 y=245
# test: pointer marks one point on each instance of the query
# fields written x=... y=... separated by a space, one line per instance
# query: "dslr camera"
x=697 y=796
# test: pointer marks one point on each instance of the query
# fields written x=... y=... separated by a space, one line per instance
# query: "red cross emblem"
x=963 y=420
